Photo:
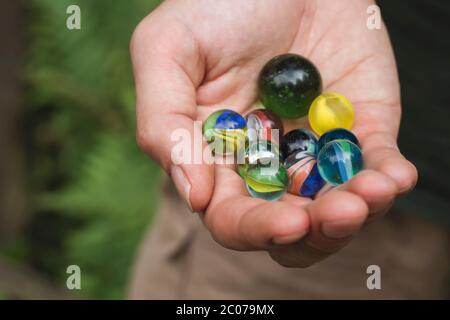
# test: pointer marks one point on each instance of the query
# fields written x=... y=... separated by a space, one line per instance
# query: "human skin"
x=192 y=57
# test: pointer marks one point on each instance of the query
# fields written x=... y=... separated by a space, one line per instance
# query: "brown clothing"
x=179 y=260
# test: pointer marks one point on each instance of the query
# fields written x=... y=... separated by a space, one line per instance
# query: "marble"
x=305 y=180
x=298 y=140
x=288 y=84
x=338 y=161
x=264 y=125
x=225 y=131
x=264 y=174
x=329 y=111
x=335 y=134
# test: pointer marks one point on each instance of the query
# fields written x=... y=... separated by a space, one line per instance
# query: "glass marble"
x=305 y=179
x=329 y=111
x=261 y=153
x=225 y=131
x=339 y=161
x=263 y=125
x=288 y=84
x=266 y=182
x=298 y=140
x=264 y=175
x=335 y=134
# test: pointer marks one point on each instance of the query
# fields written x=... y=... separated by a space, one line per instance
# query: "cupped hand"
x=192 y=57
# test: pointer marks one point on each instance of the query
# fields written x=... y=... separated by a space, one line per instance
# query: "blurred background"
x=75 y=189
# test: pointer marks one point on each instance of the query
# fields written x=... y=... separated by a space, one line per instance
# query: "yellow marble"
x=329 y=111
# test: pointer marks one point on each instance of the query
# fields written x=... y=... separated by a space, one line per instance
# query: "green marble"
x=267 y=182
x=264 y=175
x=262 y=153
x=288 y=84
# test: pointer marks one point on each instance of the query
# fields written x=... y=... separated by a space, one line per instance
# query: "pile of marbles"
x=300 y=162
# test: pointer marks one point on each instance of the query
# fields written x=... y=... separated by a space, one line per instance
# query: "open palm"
x=191 y=58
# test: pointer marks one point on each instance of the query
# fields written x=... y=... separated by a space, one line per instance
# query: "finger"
x=375 y=188
x=381 y=154
x=240 y=222
x=301 y=202
x=335 y=217
x=167 y=69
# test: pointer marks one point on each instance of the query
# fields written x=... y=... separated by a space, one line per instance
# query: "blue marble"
x=339 y=160
x=335 y=134
x=229 y=119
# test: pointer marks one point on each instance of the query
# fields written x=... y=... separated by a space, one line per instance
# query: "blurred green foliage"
x=95 y=191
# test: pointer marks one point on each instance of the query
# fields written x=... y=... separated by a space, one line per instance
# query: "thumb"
x=167 y=72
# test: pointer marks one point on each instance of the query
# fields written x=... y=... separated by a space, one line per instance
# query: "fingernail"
x=181 y=183
x=340 y=229
x=287 y=239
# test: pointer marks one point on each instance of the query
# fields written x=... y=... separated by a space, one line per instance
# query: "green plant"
x=79 y=122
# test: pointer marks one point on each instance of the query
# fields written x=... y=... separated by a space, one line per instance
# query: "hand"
x=191 y=58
